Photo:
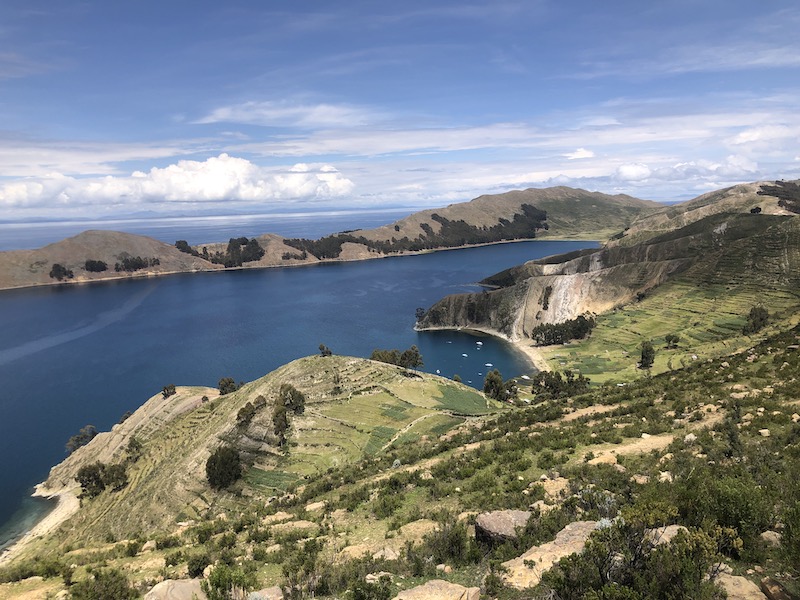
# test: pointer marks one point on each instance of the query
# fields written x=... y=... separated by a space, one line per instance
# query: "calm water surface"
x=87 y=354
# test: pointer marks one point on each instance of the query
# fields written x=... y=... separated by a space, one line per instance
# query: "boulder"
x=739 y=588
x=500 y=526
x=273 y=593
x=771 y=538
x=440 y=590
x=386 y=553
x=555 y=488
x=177 y=589
x=527 y=570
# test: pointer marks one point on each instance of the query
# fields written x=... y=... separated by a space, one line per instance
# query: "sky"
x=177 y=107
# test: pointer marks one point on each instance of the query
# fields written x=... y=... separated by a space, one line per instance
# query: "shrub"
x=83 y=437
x=756 y=320
x=197 y=564
x=223 y=467
x=103 y=585
x=227 y=385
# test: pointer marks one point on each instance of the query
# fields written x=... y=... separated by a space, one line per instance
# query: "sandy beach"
x=535 y=356
x=66 y=506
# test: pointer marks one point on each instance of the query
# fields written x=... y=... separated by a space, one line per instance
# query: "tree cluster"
x=497 y=389
x=60 y=272
x=408 y=359
x=451 y=234
x=130 y=264
x=787 y=192
x=96 y=477
x=83 y=437
x=227 y=385
x=290 y=401
x=551 y=384
x=169 y=390
x=292 y=398
x=95 y=266
x=249 y=410
x=648 y=355
x=239 y=251
x=548 y=334
x=184 y=246
x=325 y=351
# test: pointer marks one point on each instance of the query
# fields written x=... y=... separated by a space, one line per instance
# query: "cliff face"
x=562 y=294
x=718 y=249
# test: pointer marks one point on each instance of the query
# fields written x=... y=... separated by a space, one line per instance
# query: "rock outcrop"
x=177 y=589
x=438 y=589
x=526 y=571
x=500 y=526
x=273 y=593
x=739 y=588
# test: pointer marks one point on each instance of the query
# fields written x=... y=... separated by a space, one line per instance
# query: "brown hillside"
x=571 y=213
x=21 y=268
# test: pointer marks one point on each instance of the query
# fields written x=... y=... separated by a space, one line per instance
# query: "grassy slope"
x=571 y=213
x=498 y=466
x=374 y=403
x=706 y=306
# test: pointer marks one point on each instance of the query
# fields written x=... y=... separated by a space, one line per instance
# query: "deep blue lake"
x=81 y=354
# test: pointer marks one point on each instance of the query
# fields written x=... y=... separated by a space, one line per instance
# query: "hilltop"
x=694 y=269
x=562 y=213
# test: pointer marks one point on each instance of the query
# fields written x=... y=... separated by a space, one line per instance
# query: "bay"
x=80 y=354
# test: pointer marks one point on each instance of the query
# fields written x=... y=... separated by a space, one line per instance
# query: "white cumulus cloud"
x=633 y=172
x=580 y=153
x=221 y=178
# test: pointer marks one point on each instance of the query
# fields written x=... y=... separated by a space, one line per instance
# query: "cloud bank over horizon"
x=409 y=105
x=220 y=179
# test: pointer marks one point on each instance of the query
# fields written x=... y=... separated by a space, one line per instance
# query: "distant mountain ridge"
x=554 y=213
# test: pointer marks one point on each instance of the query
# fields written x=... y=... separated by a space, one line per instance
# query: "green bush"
x=104 y=584
x=223 y=467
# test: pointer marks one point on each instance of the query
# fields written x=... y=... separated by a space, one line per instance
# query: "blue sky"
x=109 y=108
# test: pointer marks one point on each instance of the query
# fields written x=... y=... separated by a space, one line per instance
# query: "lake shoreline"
x=532 y=354
x=66 y=505
x=366 y=257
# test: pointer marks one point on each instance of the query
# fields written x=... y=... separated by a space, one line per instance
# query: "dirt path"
x=397 y=435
